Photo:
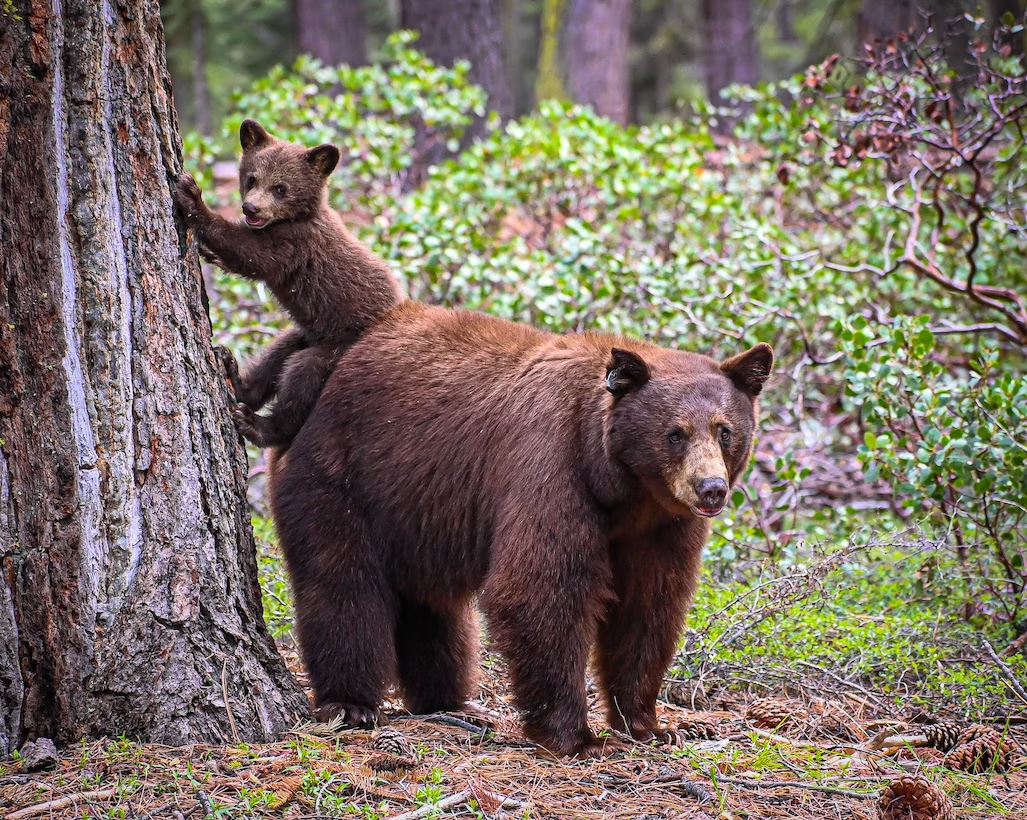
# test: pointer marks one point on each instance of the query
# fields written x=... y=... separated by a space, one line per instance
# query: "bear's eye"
x=676 y=438
x=250 y=182
x=280 y=190
x=724 y=436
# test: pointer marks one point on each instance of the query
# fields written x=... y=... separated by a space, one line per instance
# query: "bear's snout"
x=252 y=214
x=712 y=493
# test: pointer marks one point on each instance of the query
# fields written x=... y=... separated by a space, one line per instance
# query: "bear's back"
x=425 y=423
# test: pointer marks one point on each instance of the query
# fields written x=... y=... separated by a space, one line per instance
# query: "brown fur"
x=332 y=285
x=454 y=454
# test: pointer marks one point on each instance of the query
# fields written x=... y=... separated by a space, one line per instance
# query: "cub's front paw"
x=189 y=198
x=229 y=363
x=358 y=717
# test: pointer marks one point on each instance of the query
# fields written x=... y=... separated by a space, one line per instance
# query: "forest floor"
x=767 y=758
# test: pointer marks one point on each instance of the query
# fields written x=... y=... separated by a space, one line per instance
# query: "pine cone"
x=697 y=730
x=689 y=694
x=912 y=797
x=972 y=732
x=945 y=736
x=770 y=713
x=984 y=753
x=394 y=751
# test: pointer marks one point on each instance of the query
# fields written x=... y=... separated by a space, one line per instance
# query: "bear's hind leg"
x=437 y=651
x=258 y=383
x=345 y=610
x=299 y=388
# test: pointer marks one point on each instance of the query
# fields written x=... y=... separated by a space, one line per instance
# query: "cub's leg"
x=438 y=653
x=299 y=388
x=345 y=611
x=655 y=579
x=543 y=598
x=261 y=378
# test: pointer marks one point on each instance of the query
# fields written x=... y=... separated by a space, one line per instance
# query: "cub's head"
x=280 y=181
x=683 y=424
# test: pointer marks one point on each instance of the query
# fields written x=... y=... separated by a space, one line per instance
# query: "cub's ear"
x=324 y=158
x=625 y=372
x=750 y=370
x=251 y=135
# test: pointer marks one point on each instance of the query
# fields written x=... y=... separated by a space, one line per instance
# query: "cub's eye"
x=250 y=182
x=280 y=190
x=676 y=437
x=724 y=436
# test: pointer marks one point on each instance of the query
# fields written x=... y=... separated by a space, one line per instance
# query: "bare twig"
x=58 y=803
x=1014 y=684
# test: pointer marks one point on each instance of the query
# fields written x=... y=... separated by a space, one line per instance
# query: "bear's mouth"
x=709 y=512
x=255 y=222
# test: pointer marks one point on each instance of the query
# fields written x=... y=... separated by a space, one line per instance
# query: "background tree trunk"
x=331 y=30
x=201 y=89
x=470 y=30
x=596 y=37
x=729 y=44
x=129 y=600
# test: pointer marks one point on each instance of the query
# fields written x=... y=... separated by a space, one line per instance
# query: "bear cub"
x=332 y=285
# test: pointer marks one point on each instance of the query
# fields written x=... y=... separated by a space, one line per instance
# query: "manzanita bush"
x=850 y=200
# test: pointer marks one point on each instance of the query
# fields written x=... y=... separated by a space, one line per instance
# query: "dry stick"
x=1011 y=678
x=785 y=784
x=228 y=703
x=60 y=803
x=449 y=802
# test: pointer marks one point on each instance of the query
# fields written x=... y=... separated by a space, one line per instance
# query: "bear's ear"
x=251 y=135
x=324 y=158
x=625 y=372
x=750 y=370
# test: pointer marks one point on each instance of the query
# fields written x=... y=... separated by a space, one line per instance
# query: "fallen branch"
x=60 y=803
x=785 y=784
x=453 y=801
x=1014 y=684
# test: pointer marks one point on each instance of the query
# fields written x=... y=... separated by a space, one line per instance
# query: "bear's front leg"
x=236 y=247
x=655 y=579
x=543 y=598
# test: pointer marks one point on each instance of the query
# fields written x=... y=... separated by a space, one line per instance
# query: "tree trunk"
x=129 y=602
x=881 y=19
x=470 y=30
x=331 y=30
x=729 y=44
x=596 y=38
x=201 y=90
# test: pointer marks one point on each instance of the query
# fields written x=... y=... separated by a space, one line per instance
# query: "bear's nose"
x=712 y=493
x=249 y=209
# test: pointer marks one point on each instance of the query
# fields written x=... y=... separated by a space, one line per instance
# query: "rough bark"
x=471 y=30
x=596 y=37
x=729 y=43
x=129 y=587
x=331 y=30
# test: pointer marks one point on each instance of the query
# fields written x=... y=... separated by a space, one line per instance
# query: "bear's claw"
x=358 y=717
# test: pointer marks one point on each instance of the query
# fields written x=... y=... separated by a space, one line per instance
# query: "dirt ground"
x=738 y=758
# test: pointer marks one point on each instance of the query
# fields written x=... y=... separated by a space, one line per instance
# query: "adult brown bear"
x=568 y=481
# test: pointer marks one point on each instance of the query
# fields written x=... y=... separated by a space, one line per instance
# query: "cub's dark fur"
x=331 y=284
x=568 y=481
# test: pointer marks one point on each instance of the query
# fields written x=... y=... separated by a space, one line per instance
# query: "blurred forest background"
x=845 y=179
x=632 y=60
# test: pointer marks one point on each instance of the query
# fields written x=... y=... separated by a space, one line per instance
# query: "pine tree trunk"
x=597 y=55
x=129 y=602
x=469 y=30
x=201 y=89
x=331 y=30
x=730 y=45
